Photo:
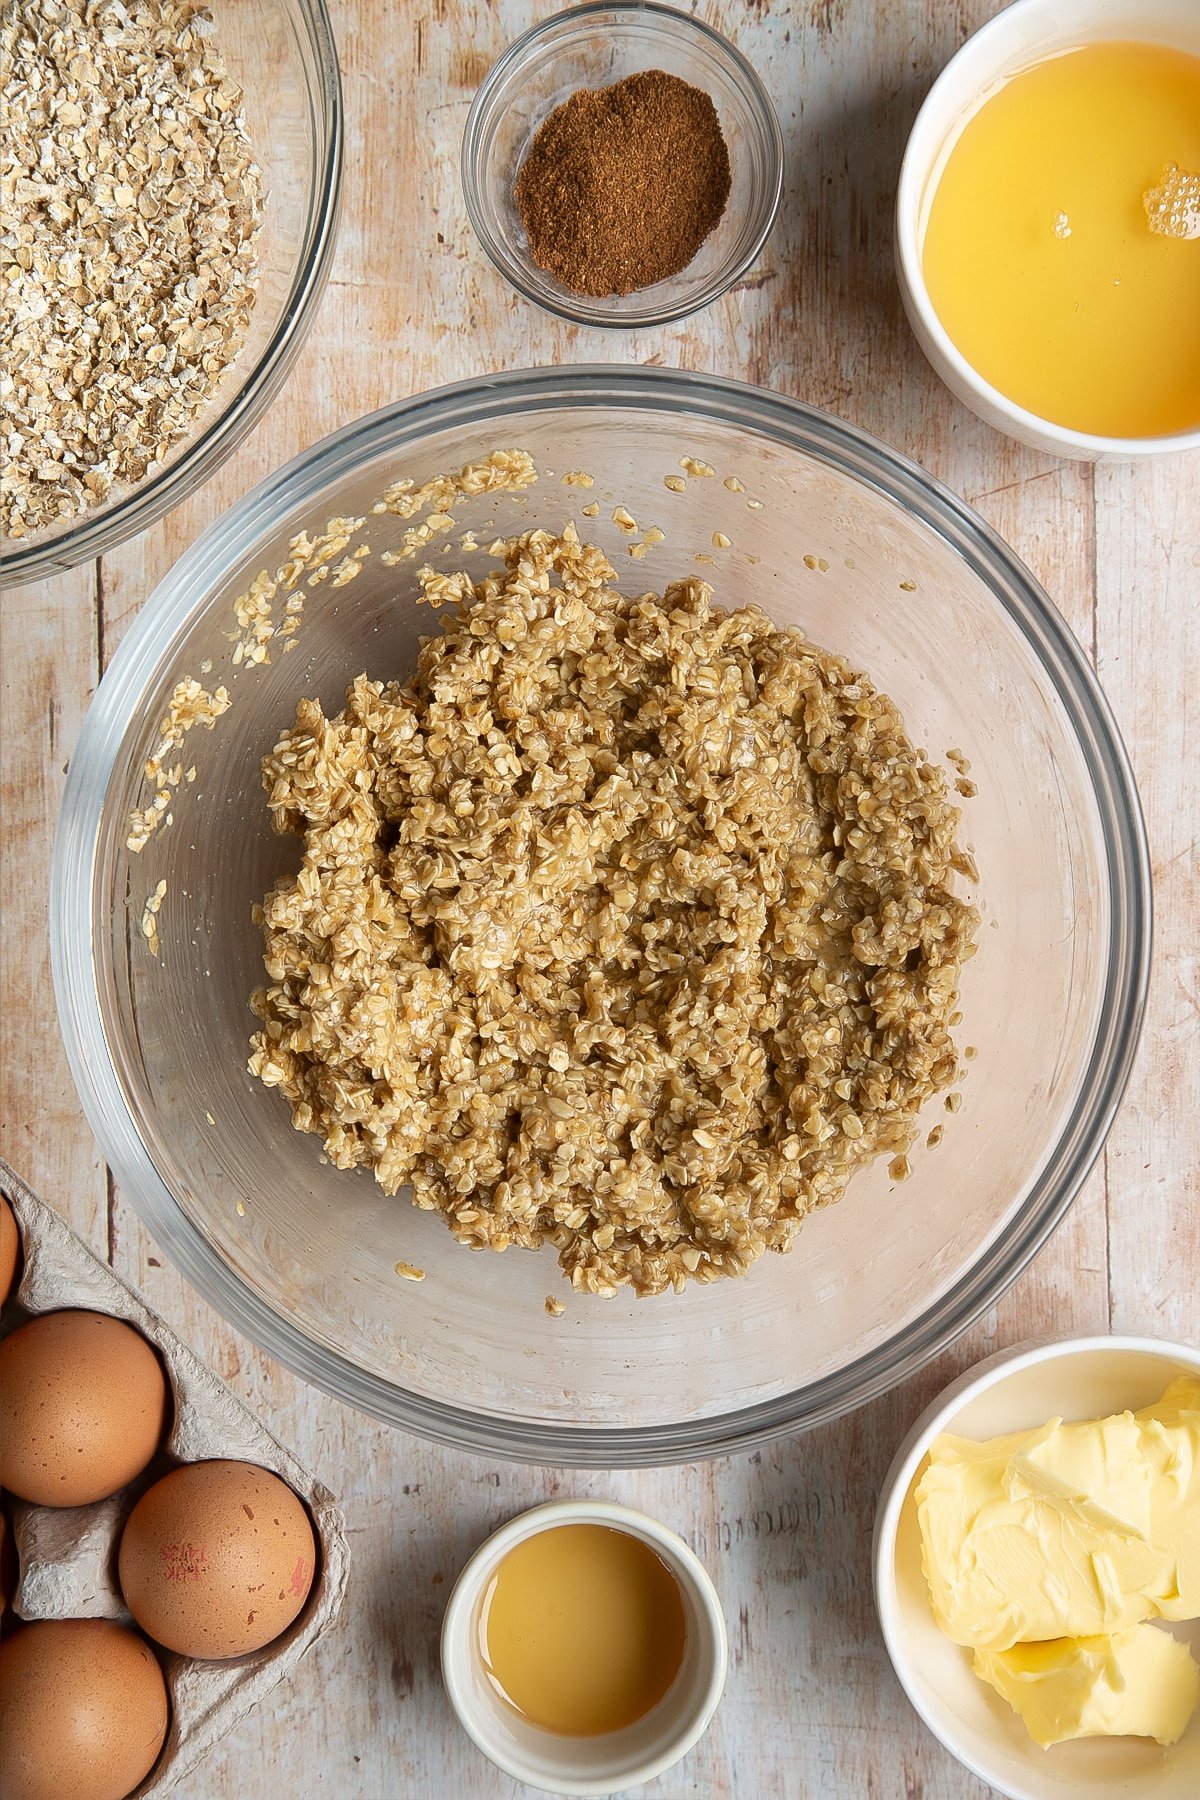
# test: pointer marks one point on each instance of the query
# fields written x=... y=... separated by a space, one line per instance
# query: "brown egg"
x=10 y=1249
x=83 y=1711
x=83 y=1407
x=217 y=1559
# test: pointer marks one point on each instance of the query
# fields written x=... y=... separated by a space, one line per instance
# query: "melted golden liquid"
x=582 y=1629
x=1039 y=255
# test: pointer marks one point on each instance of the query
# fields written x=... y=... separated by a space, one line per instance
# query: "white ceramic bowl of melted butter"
x=613 y=1760
x=1015 y=1390
x=1027 y=32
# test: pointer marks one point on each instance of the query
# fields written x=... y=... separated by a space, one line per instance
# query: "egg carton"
x=68 y=1555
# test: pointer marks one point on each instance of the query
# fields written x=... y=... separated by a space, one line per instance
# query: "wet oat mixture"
x=627 y=924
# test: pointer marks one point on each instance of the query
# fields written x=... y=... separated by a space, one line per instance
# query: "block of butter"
x=1070 y=1531
x=1140 y=1682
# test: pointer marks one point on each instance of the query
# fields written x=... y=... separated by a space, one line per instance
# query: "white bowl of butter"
x=1085 y=1523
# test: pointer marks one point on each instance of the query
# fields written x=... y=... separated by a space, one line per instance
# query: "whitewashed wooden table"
x=811 y=1709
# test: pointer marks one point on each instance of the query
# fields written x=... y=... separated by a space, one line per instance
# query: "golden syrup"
x=582 y=1629
x=1058 y=252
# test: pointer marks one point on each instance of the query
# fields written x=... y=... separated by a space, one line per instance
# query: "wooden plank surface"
x=811 y=1708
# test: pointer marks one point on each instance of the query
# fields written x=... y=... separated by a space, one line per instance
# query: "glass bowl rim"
x=590 y=311
x=103 y=528
x=228 y=543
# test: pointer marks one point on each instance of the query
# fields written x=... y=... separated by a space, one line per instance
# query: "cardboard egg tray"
x=68 y=1555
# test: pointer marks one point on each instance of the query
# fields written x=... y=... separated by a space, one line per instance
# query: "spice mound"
x=622 y=184
x=626 y=925
x=131 y=201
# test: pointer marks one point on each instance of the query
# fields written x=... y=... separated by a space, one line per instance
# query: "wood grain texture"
x=812 y=1709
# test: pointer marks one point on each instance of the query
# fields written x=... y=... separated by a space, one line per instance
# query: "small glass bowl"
x=595 y=46
x=282 y=54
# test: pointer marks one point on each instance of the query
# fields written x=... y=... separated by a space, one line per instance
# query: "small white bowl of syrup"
x=584 y=1648
x=1048 y=226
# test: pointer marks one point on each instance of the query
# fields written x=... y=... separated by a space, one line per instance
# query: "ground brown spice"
x=623 y=184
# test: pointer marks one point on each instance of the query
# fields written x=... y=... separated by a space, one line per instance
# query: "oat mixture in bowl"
x=313 y=582
x=627 y=923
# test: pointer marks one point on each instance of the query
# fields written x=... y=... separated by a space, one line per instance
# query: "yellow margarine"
x=1071 y=1531
x=1140 y=1682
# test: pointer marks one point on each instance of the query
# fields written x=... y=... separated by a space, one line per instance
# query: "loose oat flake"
x=626 y=925
x=131 y=203
x=150 y=912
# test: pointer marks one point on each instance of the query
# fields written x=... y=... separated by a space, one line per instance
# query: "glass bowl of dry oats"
x=171 y=186
x=658 y=830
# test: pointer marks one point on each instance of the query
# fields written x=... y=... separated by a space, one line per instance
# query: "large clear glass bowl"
x=874 y=559
x=281 y=53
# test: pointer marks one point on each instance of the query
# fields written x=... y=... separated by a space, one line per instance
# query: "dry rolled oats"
x=150 y=912
x=189 y=705
x=131 y=203
x=626 y=925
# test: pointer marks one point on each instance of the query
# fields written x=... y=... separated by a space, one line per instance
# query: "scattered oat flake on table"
x=734 y=485
x=694 y=466
x=577 y=478
x=623 y=519
x=676 y=483
x=720 y=541
x=554 y=1306
x=409 y=1272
